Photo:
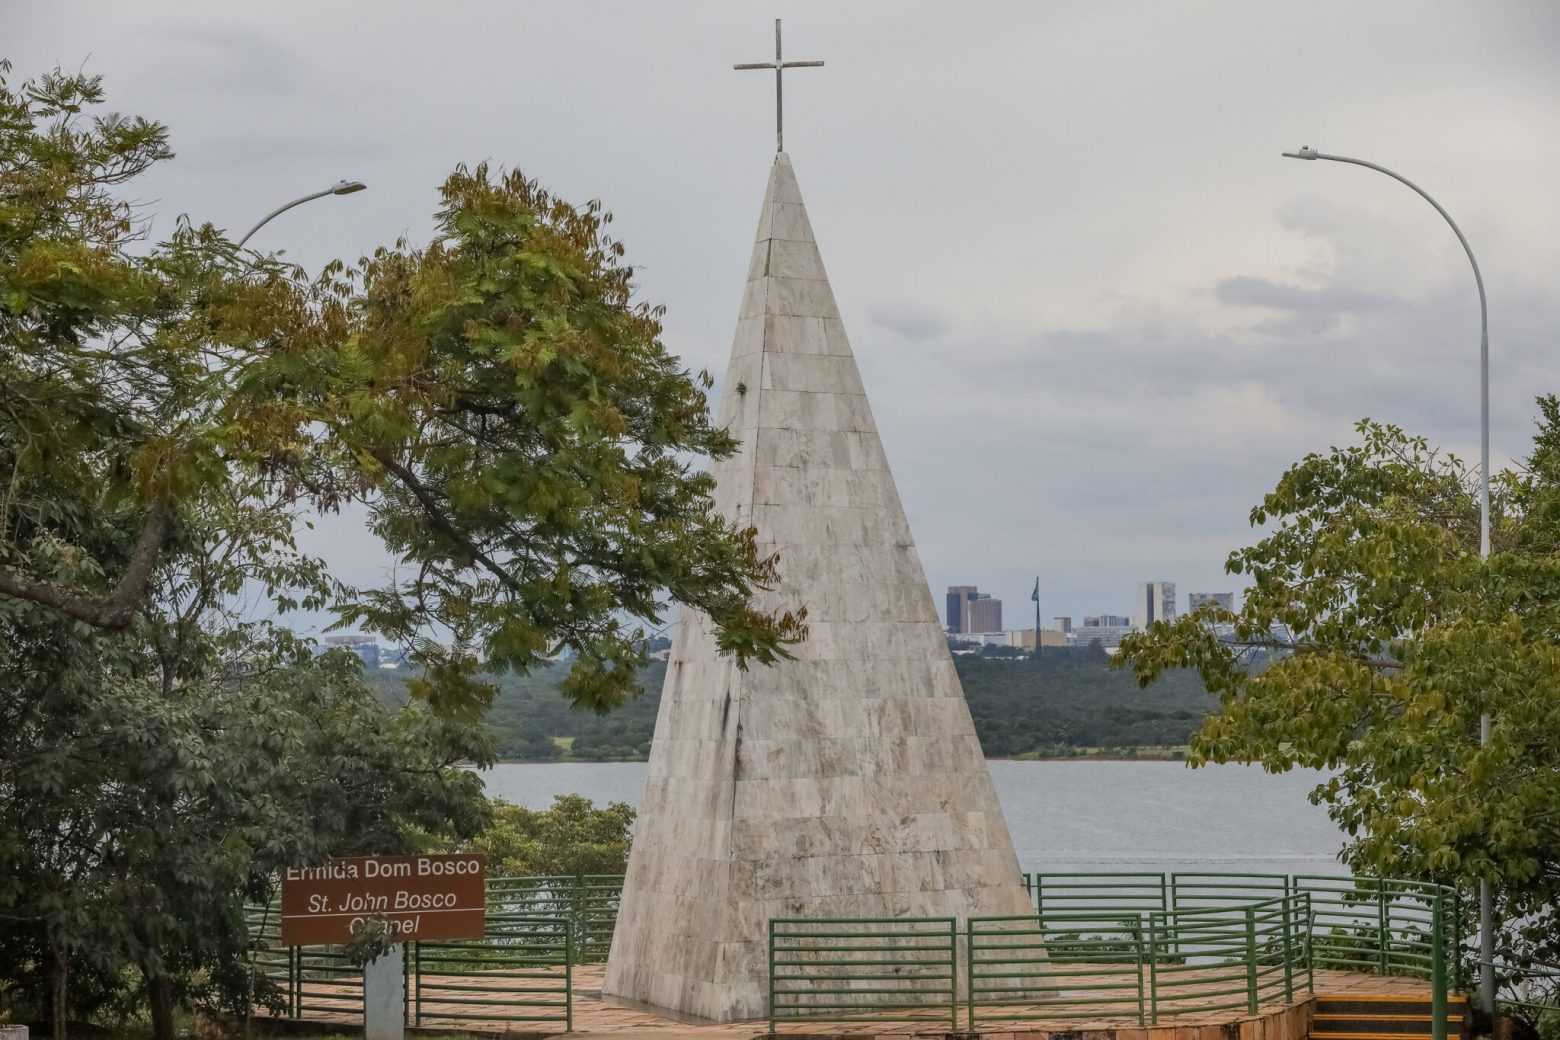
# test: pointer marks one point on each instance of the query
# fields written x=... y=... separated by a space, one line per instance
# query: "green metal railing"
x=1054 y=966
x=1057 y=966
x=589 y=902
x=1381 y=926
x=864 y=970
x=1228 y=957
x=1143 y=946
x=1138 y=946
x=1535 y=988
x=1098 y=892
x=521 y=971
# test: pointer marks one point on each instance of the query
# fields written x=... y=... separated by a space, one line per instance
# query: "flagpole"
x=1036 y=598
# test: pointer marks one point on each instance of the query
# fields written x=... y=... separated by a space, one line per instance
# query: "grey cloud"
x=217 y=57
x=1246 y=291
x=1298 y=324
x=913 y=323
x=1312 y=312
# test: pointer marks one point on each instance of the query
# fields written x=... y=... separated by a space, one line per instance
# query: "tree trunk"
x=159 y=996
x=57 y=972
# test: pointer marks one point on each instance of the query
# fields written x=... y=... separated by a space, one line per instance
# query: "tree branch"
x=114 y=611
x=436 y=516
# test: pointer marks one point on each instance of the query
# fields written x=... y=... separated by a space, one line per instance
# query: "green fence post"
x=1153 y=972
x=1384 y=923
x=969 y=968
x=1310 y=946
x=1138 y=934
x=417 y=977
x=568 y=977
x=1251 y=960
x=953 y=972
x=294 y=980
x=1438 y=968
x=1458 y=979
x=1289 y=958
x=771 y=976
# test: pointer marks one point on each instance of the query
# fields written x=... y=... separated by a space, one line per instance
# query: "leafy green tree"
x=505 y=407
x=136 y=823
x=152 y=778
x=571 y=838
x=1391 y=636
x=170 y=411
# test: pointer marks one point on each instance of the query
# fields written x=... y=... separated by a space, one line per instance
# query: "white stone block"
x=789 y=222
x=796 y=334
x=799 y=297
x=796 y=260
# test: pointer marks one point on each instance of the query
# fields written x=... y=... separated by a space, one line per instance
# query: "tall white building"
x=1155 y=602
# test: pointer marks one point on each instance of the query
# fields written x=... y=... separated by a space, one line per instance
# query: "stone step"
x=1384 y=1017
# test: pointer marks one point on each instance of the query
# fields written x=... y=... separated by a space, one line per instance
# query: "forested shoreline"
x=1068 y=704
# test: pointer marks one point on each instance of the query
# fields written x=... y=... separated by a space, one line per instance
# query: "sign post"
x=384 y=996
x=413 y=897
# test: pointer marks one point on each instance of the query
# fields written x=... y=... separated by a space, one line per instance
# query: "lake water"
x=1076 y=816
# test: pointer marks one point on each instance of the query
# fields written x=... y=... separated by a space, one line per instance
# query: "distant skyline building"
x=982 y=614
x=1155 y=602
x=1108 y=636
x=1021 y=638
x=1062 y=624
x=971 y=610
x=958 y=595
x=1197 y=599
x=1107 y=621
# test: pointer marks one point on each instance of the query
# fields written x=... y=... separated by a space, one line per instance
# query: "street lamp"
x=1486 y=897
x=339 y=188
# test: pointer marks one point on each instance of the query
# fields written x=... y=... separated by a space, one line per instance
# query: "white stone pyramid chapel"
x=847 y=782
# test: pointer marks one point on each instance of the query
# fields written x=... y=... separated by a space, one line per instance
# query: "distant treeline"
x=1062 y=704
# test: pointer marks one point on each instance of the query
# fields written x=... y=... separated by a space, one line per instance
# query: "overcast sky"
x=1095 y=311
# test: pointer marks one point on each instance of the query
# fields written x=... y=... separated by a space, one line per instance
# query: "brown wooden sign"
x=418 y=897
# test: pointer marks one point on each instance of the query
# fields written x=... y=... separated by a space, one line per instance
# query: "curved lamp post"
x=339 y=188
x=1486 y=898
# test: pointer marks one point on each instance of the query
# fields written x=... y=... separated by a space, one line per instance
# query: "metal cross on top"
x=779 y=65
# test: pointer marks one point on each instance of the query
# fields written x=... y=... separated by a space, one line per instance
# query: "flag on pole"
x=1035 y=595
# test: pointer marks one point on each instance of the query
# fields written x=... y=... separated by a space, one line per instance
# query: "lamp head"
x=347 y=187
x=1305 y=152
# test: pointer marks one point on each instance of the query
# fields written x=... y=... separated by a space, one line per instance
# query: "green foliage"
x=571 y=838
x=1069 y=699
x=169 y=412
x=531 y=709
x=136 y=819
x=499 y=400
x=530 y=444
x=1393 y=637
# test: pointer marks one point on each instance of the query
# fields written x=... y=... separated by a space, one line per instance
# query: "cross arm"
x=781 y=65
